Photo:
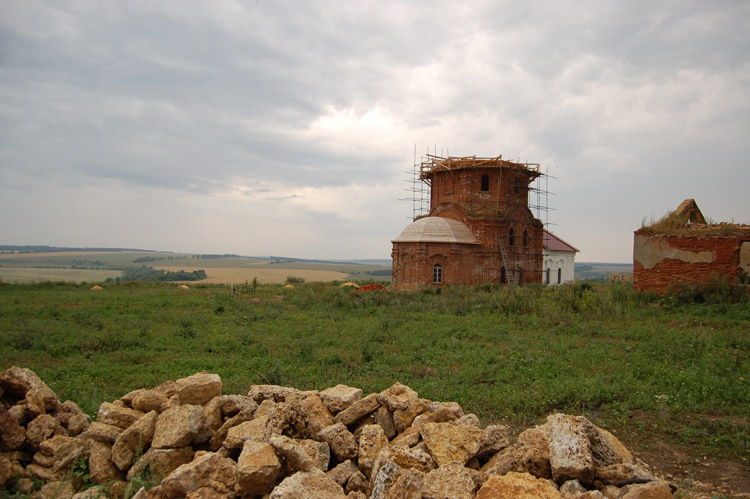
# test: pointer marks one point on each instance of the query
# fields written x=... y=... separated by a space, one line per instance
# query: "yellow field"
x=23 y=274
x=265 y=275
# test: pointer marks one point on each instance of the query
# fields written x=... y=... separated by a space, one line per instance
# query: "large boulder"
x=450 y=442
x=208 y=470
x=258 y=469
x=517 y=486
x=569 y=449
x=177 y=426
x=134 y=440
x=198 y=388
x=313 y=483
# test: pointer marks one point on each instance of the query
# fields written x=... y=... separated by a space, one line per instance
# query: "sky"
x=290 y=128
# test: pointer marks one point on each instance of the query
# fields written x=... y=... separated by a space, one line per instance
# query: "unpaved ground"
x=696 y=477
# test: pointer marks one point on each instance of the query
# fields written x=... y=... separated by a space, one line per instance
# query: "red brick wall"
x=674 y=267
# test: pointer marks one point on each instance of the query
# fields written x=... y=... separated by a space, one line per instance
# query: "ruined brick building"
x=479 y=228
x=683 y=248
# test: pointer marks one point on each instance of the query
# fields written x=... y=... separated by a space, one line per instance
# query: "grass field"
x=669 y=378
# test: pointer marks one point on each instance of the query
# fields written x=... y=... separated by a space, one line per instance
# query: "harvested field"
x=23 y=274
x=266 y=274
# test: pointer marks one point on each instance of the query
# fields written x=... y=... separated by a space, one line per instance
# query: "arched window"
x=525 y=238
x=547 y=275
x=485 y=182
x=502 y=275
x=511 y=237
x=559 y=276
x=515 y=184
x=437 y=273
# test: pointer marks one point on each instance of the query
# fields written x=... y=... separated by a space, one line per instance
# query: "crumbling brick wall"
x=660 y=260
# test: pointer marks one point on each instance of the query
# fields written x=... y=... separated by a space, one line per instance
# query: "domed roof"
x=436 y=230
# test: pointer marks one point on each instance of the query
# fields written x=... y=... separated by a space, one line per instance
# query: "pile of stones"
x=185 y=439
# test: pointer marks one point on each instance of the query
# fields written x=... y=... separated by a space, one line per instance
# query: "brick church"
x=479 y=228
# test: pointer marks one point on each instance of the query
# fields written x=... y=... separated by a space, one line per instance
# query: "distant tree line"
x=143 y=259
x=379 y=272
x=226 y=255
x=144 y=273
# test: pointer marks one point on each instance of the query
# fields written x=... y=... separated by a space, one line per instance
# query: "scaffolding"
x=514 y=254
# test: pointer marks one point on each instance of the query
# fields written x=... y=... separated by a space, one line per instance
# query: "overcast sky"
x=274 y=127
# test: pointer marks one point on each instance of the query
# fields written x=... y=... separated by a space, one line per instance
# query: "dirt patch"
x=697 y=477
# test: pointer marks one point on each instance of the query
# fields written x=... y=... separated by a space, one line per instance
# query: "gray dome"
x=437 y=230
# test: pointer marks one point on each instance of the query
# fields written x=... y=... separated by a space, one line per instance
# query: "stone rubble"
x=280 y=442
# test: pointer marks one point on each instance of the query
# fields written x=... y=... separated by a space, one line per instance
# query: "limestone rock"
x=90 y=493
x=468 y=419
x=77 y=424
x=339 y=397
x=116 y=415
x=12 y=434
x=357 y=483
x=570 y=454
x=383 y=480
x=572 y=489
x=69 y=452
x=405 y=458
x=443 y=413
x=198 y=388
x=44 y=473
x=209 y=493
x=496 y=438
x=6 y=471
x=135 y=439
x=397 y=397
x=149 y=400
x=358 y=410
x=517 y=486
x=40 y=429
x=651 y=490
x=622 y=471
x=101 y=467
x=18 y=383
x=409 y=438
x=384 y=417
x=245 y=414
x=340 y=440
x=277 y=393
x=212 y=421
x=403 y=419
x=101 y=432
x=605 y=447
x=343 y=472
x=408 y=485
x=207 y=470
x=258 y=469
x=52 y=445
x=450 y=480
x=255 y=429
x=161 y=462
x=231 y=405
x=310 y=416
x=176 y=427
x=371 y=441
x=448 y=442
x=304 y=484
x=294 y=453
x=56 y=490
x=320 y=452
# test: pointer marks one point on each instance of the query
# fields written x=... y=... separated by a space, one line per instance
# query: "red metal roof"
x=554 y=243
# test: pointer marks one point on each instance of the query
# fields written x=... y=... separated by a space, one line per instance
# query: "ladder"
x=509 y=274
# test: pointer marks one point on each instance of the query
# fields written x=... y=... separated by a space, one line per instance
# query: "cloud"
x=296 y=123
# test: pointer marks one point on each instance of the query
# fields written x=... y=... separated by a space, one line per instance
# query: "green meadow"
x=673 y=369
